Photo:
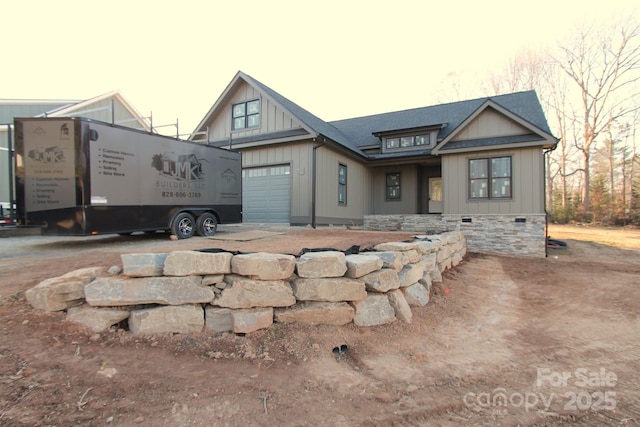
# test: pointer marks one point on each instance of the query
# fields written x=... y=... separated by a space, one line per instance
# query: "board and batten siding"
x=527 y=183
x=408 y=203
x=298 y=156
x=101 y=110
x=328 y=210
x=272 y=118
x=490 y=123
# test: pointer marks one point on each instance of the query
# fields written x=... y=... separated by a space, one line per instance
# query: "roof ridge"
x=444 y=104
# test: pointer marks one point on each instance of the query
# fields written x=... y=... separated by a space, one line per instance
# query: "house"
x=475 y=166
x=110 y=107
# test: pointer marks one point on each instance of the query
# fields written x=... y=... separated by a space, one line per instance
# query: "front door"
x=435 y=195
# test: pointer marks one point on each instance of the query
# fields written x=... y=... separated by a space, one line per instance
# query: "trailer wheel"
x=207 y=224
x=183 y=225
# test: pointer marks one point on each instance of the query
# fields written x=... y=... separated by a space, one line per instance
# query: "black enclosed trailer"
x=76 y=176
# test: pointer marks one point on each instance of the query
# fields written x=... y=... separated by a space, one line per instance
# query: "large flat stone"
x=444 y=253
x=322 y=264
x=410 y=274
x=396 y=246
x=107 y=292
x=431 y=266
x=142 y=265
x=426 y=281
x=416 y=295
x=62 y=292
x=242 y=292
x=382 y=280
x=218 y=319
x=333 y=289
x=425 y=247
x=400 y=305
x=456 y=259
x=182 y=319
x=96 y=319
x=191 y=263
x=264 y=266
x=394 y=260
x=316 y=313
x=252 y=319
x=359 y=264
x=374 y=310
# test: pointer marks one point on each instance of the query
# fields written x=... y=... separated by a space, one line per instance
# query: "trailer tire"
x=183 y=225
x=207 y=224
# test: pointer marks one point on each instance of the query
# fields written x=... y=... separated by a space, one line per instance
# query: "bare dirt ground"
x=504 y=341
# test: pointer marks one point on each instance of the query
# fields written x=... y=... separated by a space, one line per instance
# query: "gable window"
x=490 y=178
x=407 y=142
x=342 y=184
x=393 y=186
x=246 y=115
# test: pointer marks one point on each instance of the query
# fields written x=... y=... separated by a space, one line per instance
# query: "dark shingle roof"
x=318 y=125
x=357 y=133
x=361 y=129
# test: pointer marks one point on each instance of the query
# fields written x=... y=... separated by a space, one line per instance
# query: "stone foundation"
x=520 y=235
x=193 y=291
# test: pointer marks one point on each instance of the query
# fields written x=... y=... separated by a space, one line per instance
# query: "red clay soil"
x=504 y=341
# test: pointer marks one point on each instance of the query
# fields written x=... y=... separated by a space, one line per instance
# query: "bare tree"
x=604 y=66
x=529 y=69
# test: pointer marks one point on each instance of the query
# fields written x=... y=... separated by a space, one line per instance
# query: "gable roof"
x=11 y=108
x=83 y=105
x=356 y=134
x=311 y=123
x=523 y=107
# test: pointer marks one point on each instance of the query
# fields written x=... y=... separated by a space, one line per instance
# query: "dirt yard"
x=504 y=341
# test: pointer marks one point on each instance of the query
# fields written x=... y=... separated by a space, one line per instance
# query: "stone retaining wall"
x=217 y=291
x=521 y=235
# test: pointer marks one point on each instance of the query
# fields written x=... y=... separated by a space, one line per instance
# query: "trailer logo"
x=182 y=167
x=48 y=155
x=65 y=132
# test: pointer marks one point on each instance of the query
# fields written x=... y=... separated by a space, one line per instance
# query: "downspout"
x=544 y=192
x=313 y=181
x=11 y=156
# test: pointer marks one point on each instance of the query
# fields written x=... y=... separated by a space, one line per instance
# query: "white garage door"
x=266 y=194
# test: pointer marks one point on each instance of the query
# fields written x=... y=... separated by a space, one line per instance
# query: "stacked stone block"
x=501 y=234
x=190 y=291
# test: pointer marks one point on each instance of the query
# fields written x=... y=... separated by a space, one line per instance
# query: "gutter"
x=544 y=192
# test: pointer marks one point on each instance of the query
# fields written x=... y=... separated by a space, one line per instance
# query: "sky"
x=337 y=59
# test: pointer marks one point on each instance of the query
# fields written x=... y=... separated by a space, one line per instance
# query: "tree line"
x=589 y=88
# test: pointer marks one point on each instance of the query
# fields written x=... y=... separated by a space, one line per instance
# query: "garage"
x=266 y=194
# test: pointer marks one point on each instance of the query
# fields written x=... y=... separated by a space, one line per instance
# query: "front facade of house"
x=476 y=166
